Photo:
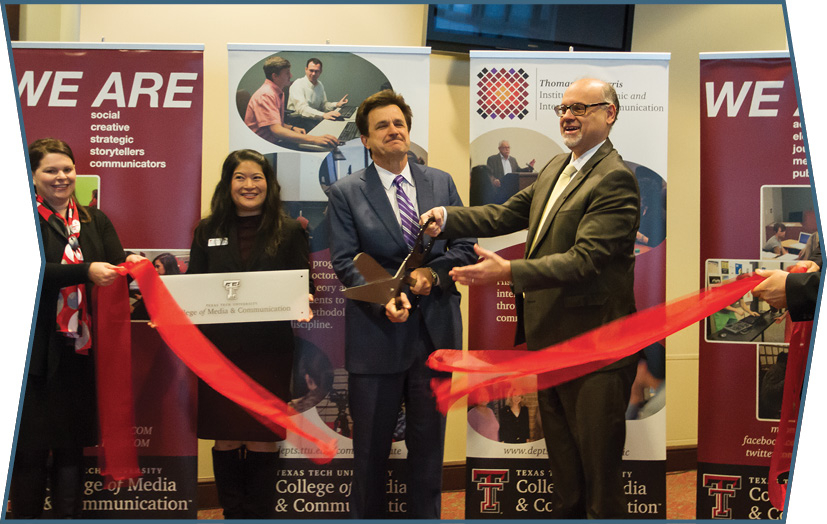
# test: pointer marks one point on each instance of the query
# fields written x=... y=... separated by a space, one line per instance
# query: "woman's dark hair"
x=169 y=262
x=40 y=148
x=222 y=207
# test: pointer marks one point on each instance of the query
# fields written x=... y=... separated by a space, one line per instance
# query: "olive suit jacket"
x=580 y=275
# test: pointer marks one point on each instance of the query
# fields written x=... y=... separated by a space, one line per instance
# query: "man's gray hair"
x=610 y=95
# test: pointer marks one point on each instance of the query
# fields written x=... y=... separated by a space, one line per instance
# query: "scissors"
x=380 y=286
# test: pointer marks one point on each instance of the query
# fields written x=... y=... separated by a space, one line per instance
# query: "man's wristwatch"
x=434 y=276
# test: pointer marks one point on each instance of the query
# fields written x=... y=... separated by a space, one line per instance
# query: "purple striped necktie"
x=407 y=213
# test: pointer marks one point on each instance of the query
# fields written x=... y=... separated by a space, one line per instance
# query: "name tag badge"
x=213 y=242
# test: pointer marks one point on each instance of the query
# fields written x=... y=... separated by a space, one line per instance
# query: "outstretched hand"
x=490 y=269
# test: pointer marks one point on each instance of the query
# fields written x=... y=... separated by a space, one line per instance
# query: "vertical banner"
x=132 y=114
x=756 y=212
x=305 y=172
x=512 y=99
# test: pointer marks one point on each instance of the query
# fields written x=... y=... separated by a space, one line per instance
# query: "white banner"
x=512 y=100
x=304 y=173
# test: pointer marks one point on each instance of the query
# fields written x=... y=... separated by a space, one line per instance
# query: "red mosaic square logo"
x=502 y=93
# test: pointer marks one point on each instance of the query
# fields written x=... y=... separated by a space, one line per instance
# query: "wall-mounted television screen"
x=548 y=27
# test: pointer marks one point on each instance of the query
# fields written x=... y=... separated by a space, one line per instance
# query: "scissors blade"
x=379 y=292
x=370 y=268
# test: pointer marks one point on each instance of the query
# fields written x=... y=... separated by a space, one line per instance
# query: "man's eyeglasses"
x=577 y=109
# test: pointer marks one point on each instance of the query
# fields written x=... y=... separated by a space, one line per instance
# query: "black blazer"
x=293 y=253
x=99 y=243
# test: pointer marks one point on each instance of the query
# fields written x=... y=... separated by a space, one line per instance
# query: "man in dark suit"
x=503 y=164
x=386 y=346
x=582 y=216
x=497 y=163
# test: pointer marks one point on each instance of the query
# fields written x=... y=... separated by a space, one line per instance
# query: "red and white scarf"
x=72 y=306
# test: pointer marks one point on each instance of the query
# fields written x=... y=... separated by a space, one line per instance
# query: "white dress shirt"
x=409 y=189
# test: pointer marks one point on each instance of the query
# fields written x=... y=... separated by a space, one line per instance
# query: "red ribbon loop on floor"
x=498 y=371
x=211 y=366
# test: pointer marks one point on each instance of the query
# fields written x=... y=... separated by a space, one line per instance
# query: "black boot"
x=28 y=484
x=260 y=476
x=67 y=483
x=228 y=468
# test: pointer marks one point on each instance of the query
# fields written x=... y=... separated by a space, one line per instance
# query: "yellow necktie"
x=561 y=184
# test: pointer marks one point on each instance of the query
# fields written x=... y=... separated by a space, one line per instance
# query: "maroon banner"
x=132 y=114
x=133 y=119
x=756 y=212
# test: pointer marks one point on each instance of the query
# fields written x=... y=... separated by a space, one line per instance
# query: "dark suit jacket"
x=802 y=295
x=496 y=166
x=361 y=219
x=581 y=274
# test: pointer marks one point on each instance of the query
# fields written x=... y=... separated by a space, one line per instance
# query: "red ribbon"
x=498 y=371
x=788 y=421
x=210 y=365
x=113 y=362
x=791 y=400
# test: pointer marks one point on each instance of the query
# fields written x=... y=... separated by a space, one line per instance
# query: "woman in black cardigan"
x=514 y=420
x=247 y=230
x=59 y=416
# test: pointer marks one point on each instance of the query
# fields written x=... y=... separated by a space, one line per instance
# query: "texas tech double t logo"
x=723 y=488
x=489 y=481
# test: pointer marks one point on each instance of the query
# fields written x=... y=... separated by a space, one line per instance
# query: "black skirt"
x=60 y=411
x=264 y=351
